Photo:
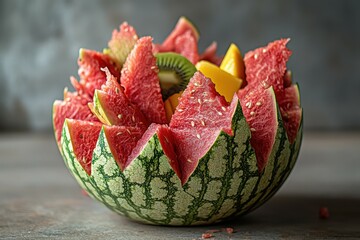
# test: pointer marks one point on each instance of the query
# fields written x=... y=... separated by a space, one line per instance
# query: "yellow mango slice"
x=233 y=62
x=225 y=83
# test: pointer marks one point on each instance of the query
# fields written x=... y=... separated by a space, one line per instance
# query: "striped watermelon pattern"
x=226 y=182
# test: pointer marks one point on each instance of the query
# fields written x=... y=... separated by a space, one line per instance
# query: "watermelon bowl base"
x=225 y=184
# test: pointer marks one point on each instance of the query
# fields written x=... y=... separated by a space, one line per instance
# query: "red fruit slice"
x=201 y=106
x=182 y=26
x=266 y=66
x=77 y=97
x=289 y=99
x=210 y=54
x=74 y=106
x=83 y=136
x=291 y=112
x=90 y=65
x=186 y=45
x=260 y=111
x=287 y=79
x=121 y=43
x=291 y=120
x=183 y=40
x=140 y=80
x=197 y=122
x=67 y=109
x=121 y=141
x=191 y=146
x=114 y=107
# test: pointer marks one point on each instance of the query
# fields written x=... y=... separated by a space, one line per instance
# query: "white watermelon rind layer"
x=225 y=184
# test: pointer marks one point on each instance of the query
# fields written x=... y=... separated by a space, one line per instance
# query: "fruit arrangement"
x=165 y=135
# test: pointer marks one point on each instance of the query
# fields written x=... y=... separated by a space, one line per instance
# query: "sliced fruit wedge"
x=233 y=62
x=225 y=83
x=112 y=107
x=121 y=43
x=90 y=64
x=182 y=26
x=140 y=80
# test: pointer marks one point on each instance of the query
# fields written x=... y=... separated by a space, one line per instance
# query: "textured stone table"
x=40 y=200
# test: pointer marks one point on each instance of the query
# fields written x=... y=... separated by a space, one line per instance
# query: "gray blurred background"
x=39 y=43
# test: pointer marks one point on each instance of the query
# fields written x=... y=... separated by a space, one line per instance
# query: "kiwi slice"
x=175 y=72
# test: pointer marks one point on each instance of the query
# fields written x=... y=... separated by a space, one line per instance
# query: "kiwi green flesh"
x=175 y=72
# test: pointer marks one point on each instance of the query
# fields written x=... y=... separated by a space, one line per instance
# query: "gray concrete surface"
x=40 y=200
x=40 y=39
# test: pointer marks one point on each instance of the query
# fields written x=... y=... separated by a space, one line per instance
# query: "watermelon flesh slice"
x=181 y=27
x=266 y=66
x=186 y=45
x=79 y=96
x=121 y=141
x=183 y=40
x=201 y=107
x=200 y=116
x=190 y=147
x=115 y=107
x=260 y=111
x=74 y=106
x=66 y=109
x=84 y=135
x=90 y=65
x=215 y=116
x=212 y=114
x=121 y=43
x=210 y=54
x=75 y=103
x=140 y=80
x=291 y=111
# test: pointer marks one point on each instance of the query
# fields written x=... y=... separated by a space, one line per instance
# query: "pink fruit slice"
x=140 y=80
x=266 y=66
x=121 y=141
x=121 y=43
x=200 y=106
x=260 y=111
x=80 y=96
x=187 y=45
x=83 y=136
x=183 y=40
x=182 y=26
x=114 y=108
x=210 y=54
x=291 y=111
x=67 y=109
x=90 y=65
x=197 y=122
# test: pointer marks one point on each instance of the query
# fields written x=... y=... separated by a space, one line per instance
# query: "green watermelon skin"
x=226 y=183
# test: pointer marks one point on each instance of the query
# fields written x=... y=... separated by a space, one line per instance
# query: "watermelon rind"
x=226 y=182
